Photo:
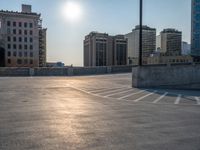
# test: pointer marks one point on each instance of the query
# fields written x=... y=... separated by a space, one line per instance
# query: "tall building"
x=195 y=33
x=158 y=43
x=20 y=38
x=148 y=42
x=119 y=50
x=171 y=41
x=100 y=49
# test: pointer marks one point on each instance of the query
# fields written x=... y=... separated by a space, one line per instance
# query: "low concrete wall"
x=68 y=71
x=14 y=71
x=181 y=76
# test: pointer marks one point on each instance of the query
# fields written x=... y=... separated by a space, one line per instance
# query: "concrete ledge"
x=67 y=71
x=179 y=77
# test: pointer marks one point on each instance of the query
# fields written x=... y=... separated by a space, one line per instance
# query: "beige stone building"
x=22 y=38
x=100 y=49
x=167 y=60
x=171 y=42
x=148 y=43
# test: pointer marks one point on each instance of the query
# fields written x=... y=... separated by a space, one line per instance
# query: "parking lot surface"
x=96 y=113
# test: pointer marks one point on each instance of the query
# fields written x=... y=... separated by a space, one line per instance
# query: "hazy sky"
x=65 y=38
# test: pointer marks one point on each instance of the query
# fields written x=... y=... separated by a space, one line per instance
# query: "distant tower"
x=195 y=32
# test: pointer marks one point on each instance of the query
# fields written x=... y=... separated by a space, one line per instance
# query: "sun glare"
x=71 y=11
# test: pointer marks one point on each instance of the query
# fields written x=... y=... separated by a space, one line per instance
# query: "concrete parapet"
x=181 y=76
x=65 y=71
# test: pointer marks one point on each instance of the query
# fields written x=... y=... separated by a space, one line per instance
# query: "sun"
x=71 y=11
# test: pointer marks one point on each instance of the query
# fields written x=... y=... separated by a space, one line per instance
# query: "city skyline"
x=65 y=39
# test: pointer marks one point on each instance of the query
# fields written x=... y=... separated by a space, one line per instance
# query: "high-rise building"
x=158 y=43
x=148 y=43
x=100 y=49
x=171 y=41
x=195 y=33
x=119 y=50
x=20 y=38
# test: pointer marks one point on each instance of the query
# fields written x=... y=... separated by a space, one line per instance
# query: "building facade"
x=19 y=36
x=100 y=49
x=119 y=50
x=42 y=47
x=186 y=48
x=148 y=43
x=171 y=42
x=195 y=31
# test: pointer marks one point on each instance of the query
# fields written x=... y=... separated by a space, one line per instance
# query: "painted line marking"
x=160 y=98
x=119 y=93
x=198 y=100
x=139 y=99
x=178 y=99
x=123 y=97
x=103 y=90
x=111 y=91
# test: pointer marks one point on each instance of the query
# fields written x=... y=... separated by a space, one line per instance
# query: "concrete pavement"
x=96 y=113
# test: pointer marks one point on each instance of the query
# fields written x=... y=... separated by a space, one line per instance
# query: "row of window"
x=20 y=46
x=20 y=61
x=19 y=24
x=20 y=32
x=14 y=39
x=20 y=54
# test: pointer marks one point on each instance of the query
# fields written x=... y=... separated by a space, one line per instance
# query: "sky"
x=65 y=37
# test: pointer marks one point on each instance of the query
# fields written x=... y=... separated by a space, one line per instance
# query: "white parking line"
x=119 y=93
x=98 y=90
x=123 y=97
x=139 y=99
x=111 y=91
x=198 y=100
x=178 y=99
x=161 y=97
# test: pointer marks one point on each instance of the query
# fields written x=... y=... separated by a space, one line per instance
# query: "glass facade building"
x=195 y=37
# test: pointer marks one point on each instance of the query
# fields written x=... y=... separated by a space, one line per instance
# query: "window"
x=14 y=24
x=8 y=23
x=25 y=54
x=25 y=32
x=14 y=46
x=9 y=46
x=31 y=25
x=25 y=39
x=14 y=31
x=9 y=53
x=20 y=39
x=25 y=25
x=31 y=47
x=14 y=39
x=20 y=46
x=20 y=32
x=20 y=54
x=31 y=61
x=25 y=47
x=19 y=61
x=31 y=32
x=31 y=54
x=31 y=40
x=20 y=24
x=8 y=38
x=9 y=61
x=14 y=54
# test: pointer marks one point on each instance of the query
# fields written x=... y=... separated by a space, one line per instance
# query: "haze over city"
x=66 y=32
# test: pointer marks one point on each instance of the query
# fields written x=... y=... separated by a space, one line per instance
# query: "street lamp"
x=140 y=34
